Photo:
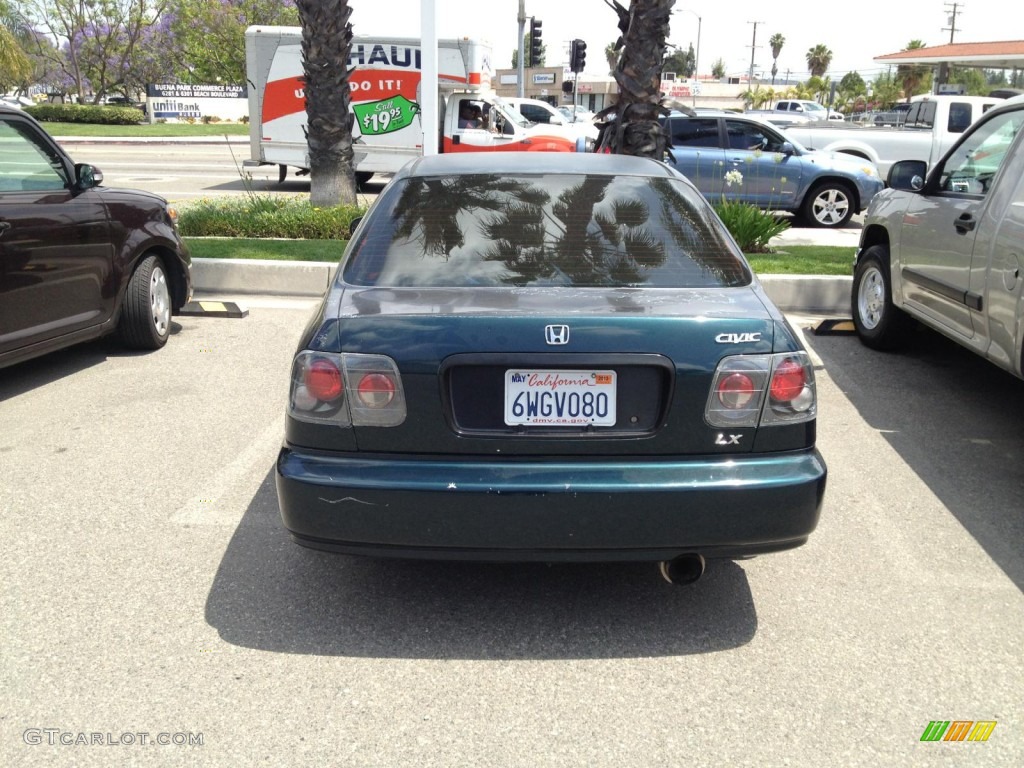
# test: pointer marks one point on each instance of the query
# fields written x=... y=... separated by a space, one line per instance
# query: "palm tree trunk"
x=645 y=28
x=326 y=44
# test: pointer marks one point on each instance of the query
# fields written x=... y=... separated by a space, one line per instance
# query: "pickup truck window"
x=921 y=115
x=959 y=118
x=973 y=166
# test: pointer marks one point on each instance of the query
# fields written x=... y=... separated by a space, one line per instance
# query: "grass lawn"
x=157 y=130
x=278 y=250
x=797 y=260
x=804 y=260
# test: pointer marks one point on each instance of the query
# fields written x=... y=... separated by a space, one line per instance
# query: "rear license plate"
x=559 y=398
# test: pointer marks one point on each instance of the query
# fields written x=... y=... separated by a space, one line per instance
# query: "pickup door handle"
x=964 y=224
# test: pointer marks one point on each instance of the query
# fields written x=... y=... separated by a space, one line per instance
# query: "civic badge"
x=556 y=334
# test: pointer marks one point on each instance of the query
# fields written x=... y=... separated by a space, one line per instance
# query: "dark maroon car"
x=77 y=260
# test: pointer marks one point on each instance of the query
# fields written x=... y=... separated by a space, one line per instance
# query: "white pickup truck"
x=933 y=125
x=948 y=250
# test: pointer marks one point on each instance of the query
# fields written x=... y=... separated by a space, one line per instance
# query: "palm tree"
x=644 y=28
x=611 y=55
x=912 y=76
x=818 y=59
x=326 y=44
x=776 y=41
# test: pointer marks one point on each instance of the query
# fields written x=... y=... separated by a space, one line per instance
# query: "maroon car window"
x=545 y=230
x=27 y=164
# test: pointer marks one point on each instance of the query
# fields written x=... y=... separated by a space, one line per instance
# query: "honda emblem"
x=556 y=334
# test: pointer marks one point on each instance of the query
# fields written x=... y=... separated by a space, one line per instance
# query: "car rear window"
x=543 y=230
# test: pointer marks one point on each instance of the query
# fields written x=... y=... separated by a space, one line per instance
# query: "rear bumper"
x=452 y=508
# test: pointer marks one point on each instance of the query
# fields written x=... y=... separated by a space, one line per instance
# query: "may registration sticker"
x=559 y=398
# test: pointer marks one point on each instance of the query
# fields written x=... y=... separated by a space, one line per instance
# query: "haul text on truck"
x=385 y=88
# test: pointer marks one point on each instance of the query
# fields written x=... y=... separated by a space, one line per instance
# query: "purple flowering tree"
x=97 y=38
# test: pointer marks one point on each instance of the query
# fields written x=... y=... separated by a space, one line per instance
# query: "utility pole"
x=753 y=49
x=521 y=75
x=952 y=9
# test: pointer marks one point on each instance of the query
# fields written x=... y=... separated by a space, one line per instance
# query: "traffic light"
x=535 y=42
x=577 y=55
x=567 y=86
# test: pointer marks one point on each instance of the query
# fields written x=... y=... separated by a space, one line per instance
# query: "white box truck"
x=385 y=86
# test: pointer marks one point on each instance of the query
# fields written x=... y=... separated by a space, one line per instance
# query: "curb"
x=813 y=294
x=261 y=276
x=791 y=293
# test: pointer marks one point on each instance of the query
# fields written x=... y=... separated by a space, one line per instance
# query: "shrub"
x=750 y=227
x=86 y=113
x=255 y=216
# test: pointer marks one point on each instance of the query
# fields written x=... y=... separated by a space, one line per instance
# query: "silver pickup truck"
x=948 y=249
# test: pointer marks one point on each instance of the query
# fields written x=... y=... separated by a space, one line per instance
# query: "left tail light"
x=762 y=390
x=346 y=390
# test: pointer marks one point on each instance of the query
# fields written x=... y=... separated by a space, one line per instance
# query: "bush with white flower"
x=750 y=227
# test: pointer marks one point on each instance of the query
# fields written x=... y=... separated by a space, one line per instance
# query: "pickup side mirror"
x=87 y=176
x=908 y=175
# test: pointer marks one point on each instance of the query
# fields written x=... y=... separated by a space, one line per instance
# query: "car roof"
x=531 y=163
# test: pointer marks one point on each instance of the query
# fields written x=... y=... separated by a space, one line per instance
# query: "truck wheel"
x=828 y=205
x=879 y=324
x=146 y=309
x=362 y=177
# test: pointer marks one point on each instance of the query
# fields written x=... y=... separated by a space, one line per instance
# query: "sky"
x=856 y=32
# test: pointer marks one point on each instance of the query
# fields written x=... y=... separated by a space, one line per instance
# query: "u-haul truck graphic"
x=385 y=94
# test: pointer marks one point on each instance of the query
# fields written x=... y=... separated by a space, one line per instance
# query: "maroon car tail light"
x=348 y=390
x=762 y=390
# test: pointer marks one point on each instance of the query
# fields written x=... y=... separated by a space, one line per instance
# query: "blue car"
x=744 y=159
x=549 y=357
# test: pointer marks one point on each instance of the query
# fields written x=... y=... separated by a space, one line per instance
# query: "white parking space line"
x=225 y=498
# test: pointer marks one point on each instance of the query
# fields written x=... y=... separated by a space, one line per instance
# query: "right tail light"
x=762 y=390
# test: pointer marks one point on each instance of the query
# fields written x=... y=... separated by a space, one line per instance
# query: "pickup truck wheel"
x=828 y=205
x=362 y=177
x=146 y=309
x=879 y=324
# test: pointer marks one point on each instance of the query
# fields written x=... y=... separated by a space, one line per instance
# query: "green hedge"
x=86 y=113
x=255 y=216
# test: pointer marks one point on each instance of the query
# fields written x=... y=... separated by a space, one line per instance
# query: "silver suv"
x=948 y=249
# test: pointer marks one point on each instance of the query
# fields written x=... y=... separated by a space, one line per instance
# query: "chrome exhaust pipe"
x=684 y=569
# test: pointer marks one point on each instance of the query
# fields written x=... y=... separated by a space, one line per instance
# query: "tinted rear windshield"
x=544 y=230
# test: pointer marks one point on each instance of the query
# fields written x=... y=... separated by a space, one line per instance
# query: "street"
x=150 y=588
x=183 y=172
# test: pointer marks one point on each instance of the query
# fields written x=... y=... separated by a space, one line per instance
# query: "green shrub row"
x=254 y=216
x=86 y=113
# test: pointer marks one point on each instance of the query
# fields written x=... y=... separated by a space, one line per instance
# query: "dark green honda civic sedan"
x=549 y=357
